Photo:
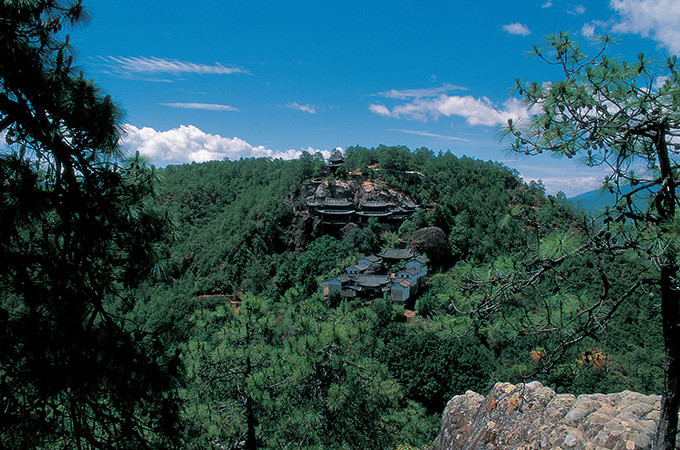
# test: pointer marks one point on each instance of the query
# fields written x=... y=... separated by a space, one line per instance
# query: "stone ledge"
x=532 y=416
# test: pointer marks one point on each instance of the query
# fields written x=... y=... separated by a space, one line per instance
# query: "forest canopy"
x=180 y=307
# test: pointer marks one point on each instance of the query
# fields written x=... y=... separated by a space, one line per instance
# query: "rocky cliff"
x=356 y=190
x=532 y=416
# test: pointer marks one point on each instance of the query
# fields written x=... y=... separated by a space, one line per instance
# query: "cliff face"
x=355 y=190
x=532 y=416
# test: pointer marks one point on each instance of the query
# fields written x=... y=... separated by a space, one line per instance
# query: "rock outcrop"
x=355 y=190
x=532 y=416
x=433 y=242
x=308 y=226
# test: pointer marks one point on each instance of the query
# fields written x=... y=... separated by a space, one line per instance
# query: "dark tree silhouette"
x=77 y=230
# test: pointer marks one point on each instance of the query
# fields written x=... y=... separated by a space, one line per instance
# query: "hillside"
x=238 y=295
x=594 y=201
x=241 y=219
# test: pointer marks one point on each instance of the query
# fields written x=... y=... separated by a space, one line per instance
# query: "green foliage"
x=558 y=243
x=236 y=217
x=625 y=116
x=272 y=375
x=433 y=366
x=318 y=262
x=79 y=231
x=363 y=240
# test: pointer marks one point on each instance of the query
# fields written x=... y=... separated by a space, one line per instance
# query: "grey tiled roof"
x=397 y=253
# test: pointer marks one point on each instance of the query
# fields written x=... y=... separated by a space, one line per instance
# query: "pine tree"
x=77 y=230
x=625 y=116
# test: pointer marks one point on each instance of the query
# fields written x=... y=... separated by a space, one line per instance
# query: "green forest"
x=327 y=359
x=172 y=307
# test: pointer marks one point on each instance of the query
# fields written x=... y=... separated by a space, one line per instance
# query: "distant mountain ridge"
x=596 y=201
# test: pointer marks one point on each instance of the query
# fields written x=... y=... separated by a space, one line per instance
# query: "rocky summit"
x=532 y=416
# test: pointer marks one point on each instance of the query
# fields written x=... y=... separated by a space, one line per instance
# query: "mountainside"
x=256 y=237
x=242 y=221
x=597 y=201
x=594 y=201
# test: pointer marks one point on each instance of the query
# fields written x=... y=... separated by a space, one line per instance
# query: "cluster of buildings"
x=341 y=211
x=359 y=280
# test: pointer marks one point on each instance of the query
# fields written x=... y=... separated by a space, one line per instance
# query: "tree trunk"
x=670 y=309
x=670 y=401
x=251 y=437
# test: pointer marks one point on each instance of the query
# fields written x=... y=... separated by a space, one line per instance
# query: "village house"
x=420 y=263
x=402 y=286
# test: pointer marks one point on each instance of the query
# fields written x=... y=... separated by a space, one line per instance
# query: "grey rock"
x=532 y=416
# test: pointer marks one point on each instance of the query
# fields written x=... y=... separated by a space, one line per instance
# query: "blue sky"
x=214 y=79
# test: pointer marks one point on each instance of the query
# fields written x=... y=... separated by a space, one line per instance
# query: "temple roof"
x=397 y=253
x=344 y=278
x=371 y=258
x=359 y=267
x=374 y=204
x=335 y=202
x=337 y=212
x=374 y=213
x=372 y=280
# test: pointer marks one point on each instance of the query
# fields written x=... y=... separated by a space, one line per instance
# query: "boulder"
x=532 y=416
x=433 y=242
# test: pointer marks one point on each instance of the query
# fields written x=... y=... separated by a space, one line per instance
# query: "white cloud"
x=571 y=186
x=656 y=19
x=188 y=143
x=150 y=65
x=311 y=109
x=517 y=28
x=203 y=106
x=428 y=134
x=547 y=4
x=404 y=94
x=476 y=111
x=381 y=110
x=577 y=10
x=660 y=81
x=588 y=30
x=568 y=176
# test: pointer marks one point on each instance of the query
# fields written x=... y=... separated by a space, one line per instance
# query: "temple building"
x=341 y=211
x=336 y=211
x=373 y=208
x=335 y=161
